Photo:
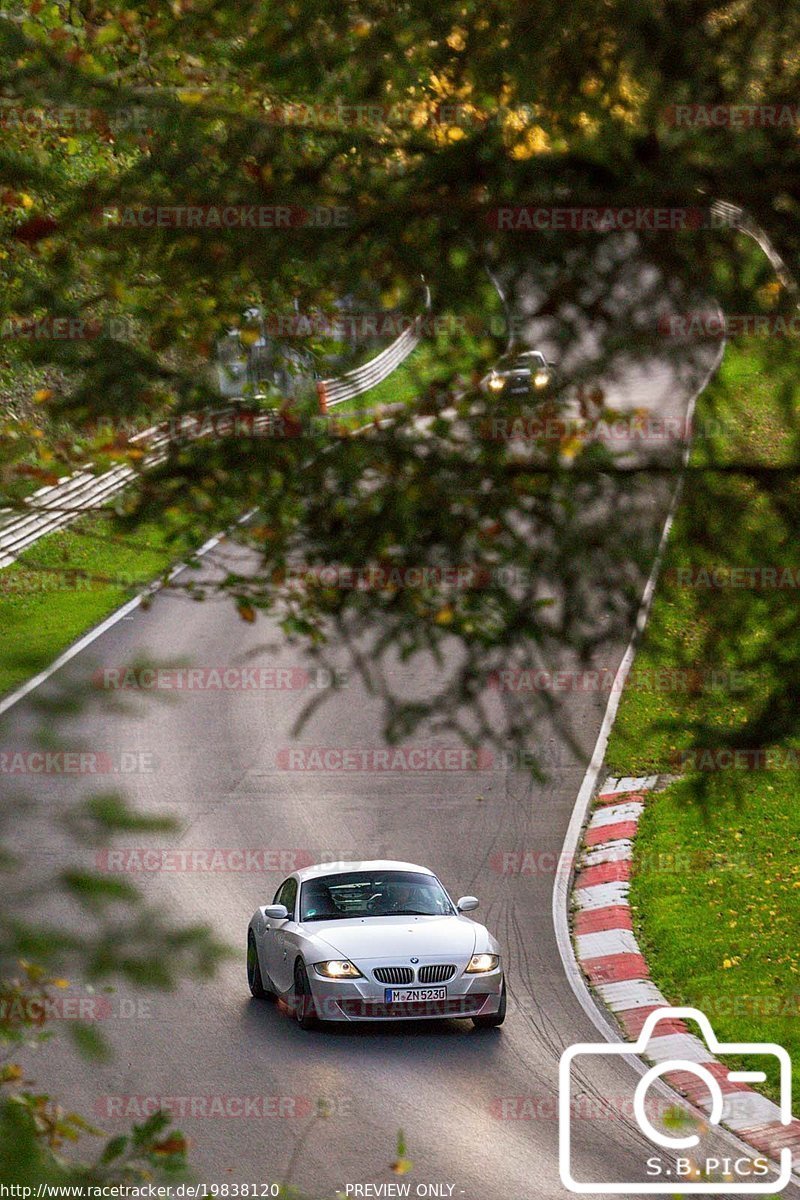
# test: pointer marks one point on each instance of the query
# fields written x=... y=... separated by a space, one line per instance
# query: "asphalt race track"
x=478 y=1109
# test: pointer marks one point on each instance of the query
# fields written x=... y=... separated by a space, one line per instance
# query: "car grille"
x=436 y=974
x=393 y=974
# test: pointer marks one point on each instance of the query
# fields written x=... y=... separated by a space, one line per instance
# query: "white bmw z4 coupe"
x=374 y=941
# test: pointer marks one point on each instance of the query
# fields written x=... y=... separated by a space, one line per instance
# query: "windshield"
x=532 y=361
x=373 y=894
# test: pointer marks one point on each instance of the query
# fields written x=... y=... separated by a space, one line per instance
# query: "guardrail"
x=355 y=383
x=738 y=218
x=56 y=506
x=53 y=507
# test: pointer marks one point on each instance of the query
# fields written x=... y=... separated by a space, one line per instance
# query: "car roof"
x=375 y=864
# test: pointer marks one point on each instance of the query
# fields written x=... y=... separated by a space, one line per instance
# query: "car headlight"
x=337 y=968
x=496 y=383
x=479 y=964
x=541 y=379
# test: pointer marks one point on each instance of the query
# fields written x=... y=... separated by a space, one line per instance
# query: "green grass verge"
x=716 y=908
x=66 y=583
x=402 y=386
x=716 y=883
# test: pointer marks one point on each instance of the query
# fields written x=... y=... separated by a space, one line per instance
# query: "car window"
x=362 y=894
x=286 y=895
x=289 y=895
x=529 y=362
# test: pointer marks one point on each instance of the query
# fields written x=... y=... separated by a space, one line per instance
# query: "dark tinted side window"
x=287 y=894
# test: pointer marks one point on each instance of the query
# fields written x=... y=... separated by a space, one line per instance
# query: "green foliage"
x=33 y=1131
x=731 y=651
x=195 y=104
x=716 y=886
x=227 y=104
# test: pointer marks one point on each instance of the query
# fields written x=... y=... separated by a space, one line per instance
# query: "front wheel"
x=254 y=980
x=492 y=1020
x=304 y=1012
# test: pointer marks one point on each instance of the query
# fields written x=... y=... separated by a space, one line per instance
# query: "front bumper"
x=364 y=999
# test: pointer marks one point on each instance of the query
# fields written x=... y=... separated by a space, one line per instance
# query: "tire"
x=254 y=980
x=492 y=1020
x=304 y=1012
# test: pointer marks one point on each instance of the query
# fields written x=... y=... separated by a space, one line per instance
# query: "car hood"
x=393 y=937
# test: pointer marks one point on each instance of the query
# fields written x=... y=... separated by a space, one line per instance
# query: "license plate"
x=412 y=995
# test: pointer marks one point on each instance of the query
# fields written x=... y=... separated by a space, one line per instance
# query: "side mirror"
x=467 y=904
x=276 y=912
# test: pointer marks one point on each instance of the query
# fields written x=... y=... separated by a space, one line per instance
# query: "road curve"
x=478 y=1109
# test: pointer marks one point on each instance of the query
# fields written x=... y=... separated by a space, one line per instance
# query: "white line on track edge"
x=563 y=881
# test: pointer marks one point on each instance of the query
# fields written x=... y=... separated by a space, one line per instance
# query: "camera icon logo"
x=676 y=1184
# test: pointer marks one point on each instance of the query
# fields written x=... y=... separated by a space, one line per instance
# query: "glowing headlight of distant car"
x=496 y=383
x=479 y=964
x=541 y=379
x=337 y=968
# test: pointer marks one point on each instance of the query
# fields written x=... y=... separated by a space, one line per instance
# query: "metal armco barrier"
x=55 y=506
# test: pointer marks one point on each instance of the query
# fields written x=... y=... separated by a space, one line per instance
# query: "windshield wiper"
x=410 y=912
x=399 y=912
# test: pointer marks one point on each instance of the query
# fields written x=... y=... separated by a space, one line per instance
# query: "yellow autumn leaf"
x=570 y=446
x=41 y=395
